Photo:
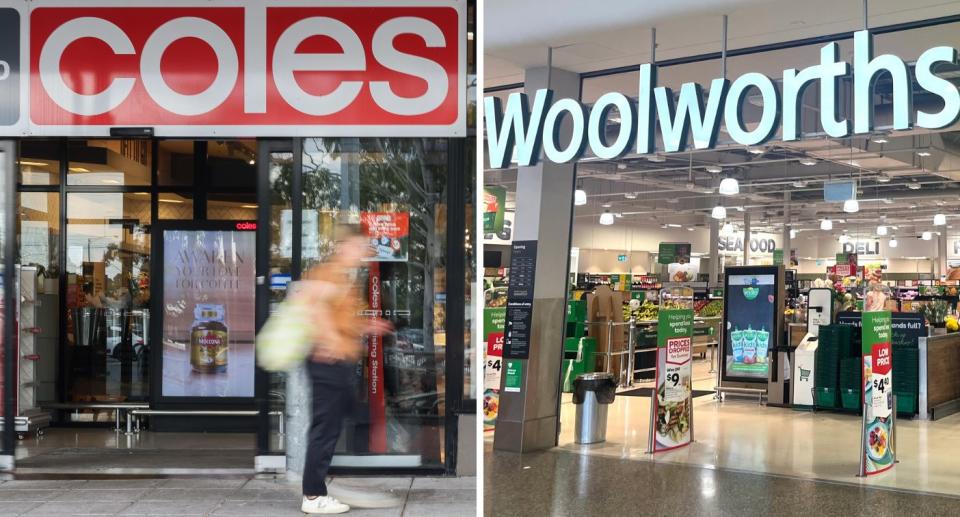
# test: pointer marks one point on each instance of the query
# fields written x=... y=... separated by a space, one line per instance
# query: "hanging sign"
x=777 y=257
x=877 y=454
x=673 y=400
x=673 y=253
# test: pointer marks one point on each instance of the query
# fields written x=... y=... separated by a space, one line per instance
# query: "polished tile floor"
x=238 y=496
x=558 y=483
x=743 y=435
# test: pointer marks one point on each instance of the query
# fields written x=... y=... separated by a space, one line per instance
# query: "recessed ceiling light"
x=630 y=195
x=756 y=150
x=923 y=153
x=880 y=140
x=675 y=225
x=883 y=178
x=800 y=184
x=808 y=161
x=656 y=158
x=714 y=169
x=622 y=166
x=606 y=205
x=913 y=185
x=690 y=229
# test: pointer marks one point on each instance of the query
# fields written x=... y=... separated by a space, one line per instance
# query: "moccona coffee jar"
x=208 y=339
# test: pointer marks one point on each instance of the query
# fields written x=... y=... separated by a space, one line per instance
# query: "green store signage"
x=524 y=129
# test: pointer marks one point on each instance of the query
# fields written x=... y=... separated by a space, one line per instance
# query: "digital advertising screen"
x=750 y=326
x=208 y=313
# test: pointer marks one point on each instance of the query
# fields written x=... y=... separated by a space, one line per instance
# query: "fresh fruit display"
x=646 y=312
x=711 y=309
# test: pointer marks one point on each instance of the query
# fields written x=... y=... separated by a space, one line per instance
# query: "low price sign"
x=673 y=402
x=878 y=454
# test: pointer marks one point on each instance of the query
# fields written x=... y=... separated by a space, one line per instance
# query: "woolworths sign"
x=526 y=129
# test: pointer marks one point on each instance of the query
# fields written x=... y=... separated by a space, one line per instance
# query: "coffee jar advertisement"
x=208 y=313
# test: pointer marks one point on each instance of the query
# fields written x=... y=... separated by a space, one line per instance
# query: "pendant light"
x=729 y=187
x=893 y=242
x=580 y=196
x=844 y=239
x=939 y=220
x=606 y=218
x=926 y=236
x=719 y=212
x=881 y=230
x=851 y=206
x=727 y=229
x=793 y=234
x=826 y=225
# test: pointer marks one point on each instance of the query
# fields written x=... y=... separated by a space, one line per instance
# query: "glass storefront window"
x=108 y=292
x=232 y=164
x=109 y=162
x=174 y=205
x=39 y=162
x=175 y=162
x=39 y=225
x=232 y=207
x=393 y=190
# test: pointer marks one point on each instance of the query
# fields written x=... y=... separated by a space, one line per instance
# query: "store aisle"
x=557 y=482
x=743 y=435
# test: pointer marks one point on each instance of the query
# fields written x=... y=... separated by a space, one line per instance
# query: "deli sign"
x=243 y=68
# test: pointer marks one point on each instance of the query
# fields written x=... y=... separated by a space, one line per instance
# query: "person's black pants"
x=332 y=401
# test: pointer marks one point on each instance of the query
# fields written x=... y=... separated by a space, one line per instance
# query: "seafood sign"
x=674 y=397
x=878 y=452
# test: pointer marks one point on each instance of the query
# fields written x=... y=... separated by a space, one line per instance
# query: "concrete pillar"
x=714 y=251
x=785 y=240
x=746 y=238
x=529 y=418
x=941 y=263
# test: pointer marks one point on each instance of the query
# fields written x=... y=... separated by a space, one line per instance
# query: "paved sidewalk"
x=224 y=497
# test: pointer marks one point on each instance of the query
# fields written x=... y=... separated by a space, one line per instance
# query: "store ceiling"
x=517 y=35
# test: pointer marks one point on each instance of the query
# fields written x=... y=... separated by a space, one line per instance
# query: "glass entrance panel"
x=393 y=192
x=107 y=296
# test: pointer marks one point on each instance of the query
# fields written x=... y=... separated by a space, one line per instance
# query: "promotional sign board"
x=674 y=396
x=493 y=322
x=207 y=330
x=494 y=204
x=375 y=372
x=513 y=380
x=239 y=68
x=673 y=253
x=389 y=234
x=750 y=309
x=877 y=453
x=777 y=257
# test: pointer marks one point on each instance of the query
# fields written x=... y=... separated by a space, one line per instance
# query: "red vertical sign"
x=378 y=415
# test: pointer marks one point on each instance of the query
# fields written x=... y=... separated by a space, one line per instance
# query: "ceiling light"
x=913 y=185
x=926 y=236
x=606 y=218
x=79 y=169
x=691 y=185
x=252 y=162
x=800 y=184
x=33 y=164
x=939 y=220
x=630 y=195
x=663 y=226
x=714 y=169
x=740 y=209
x=826 y=224
x=707 y=190
x=755 y=150
x=580 y=197
x=808 y=161
x=675 y=225
x=844 y=239
x=622 y=166
x=618 y=215
x=729 y=187
x=672 y=200
x=690 y=229
x=883 y=178
x=851 y=206
x=893 y=242
x=249 y=206
x=178 y=201
x=719 y=212
x=606 y=205
x=887 y=201
x=656 y=158
x=923 y=153
x=880 y=140
x=881 y=230
x=793 y=234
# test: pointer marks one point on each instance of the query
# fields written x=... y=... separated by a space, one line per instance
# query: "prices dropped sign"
x=672 y=403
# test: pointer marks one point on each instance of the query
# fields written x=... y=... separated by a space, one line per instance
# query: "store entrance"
x=137 y=300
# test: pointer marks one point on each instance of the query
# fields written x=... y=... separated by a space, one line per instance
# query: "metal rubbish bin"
x=592 y=394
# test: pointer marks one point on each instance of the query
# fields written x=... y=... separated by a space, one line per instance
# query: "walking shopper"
x=324 y=311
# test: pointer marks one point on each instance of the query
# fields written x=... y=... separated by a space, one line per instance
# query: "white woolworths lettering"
x=4 y=70
x=286 y=61
x=525 y=129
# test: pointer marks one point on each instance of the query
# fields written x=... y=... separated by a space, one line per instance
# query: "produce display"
x=708 y=308
x=646 y=312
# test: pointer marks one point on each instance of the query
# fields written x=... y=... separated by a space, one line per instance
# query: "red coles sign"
x=249 y=68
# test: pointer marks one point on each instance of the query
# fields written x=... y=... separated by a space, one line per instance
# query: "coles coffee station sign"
x=243 y=68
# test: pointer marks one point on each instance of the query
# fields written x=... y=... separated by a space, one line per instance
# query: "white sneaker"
x=323 y=505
